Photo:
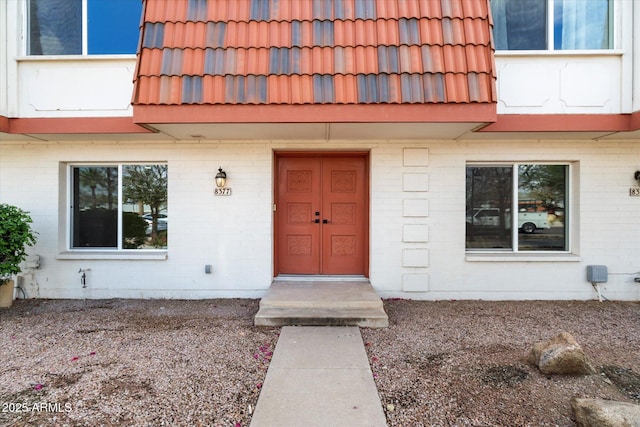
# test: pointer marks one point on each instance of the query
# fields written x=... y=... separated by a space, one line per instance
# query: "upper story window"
x=83 y=27
x=551 y=24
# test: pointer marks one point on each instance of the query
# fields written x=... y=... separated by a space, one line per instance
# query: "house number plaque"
x=222 y=192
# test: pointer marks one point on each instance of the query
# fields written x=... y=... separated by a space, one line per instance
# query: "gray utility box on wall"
x=597 y=273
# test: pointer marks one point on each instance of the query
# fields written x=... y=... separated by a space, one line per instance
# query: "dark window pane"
x=581 y=24
x=95 y=207
x=488 y=207
x=55 y=27
x=113 y=26
x=144 y=190
x=542 y=195
x=519 y=24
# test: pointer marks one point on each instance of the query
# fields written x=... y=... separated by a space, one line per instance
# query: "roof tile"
x=452 y=9
x=346 y=87
x=476 y=32
x=192 y=63
x=478 y=59
x=211 y=89
x=150 y=61
x=166 y=11
x=433 y=59
x=475 y=9
x=315 y=51
x=170 y=90
x=430 y=8
x=431 y=32
x=457 y=89
x=455 y=60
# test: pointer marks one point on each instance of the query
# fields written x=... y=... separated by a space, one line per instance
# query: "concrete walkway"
x=319 y=376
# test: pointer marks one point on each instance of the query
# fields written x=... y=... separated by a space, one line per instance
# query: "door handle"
x=325 y=221
x=316 y=221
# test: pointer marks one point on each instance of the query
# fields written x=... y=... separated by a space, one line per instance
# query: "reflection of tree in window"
x=147 y=185
x=545 y=183
x=99 y=178
x=95 y=208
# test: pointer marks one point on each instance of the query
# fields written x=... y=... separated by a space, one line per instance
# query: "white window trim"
x=515 y=254
x=573 y=53
x=60 y=58
x=70 y=252
x=99 y=255
x=522 y=257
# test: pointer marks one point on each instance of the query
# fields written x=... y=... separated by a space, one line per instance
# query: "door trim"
x=277 y=155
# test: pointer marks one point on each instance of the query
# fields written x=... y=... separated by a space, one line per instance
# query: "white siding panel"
x=546 y=83
x=75 y=88
x=415 y=157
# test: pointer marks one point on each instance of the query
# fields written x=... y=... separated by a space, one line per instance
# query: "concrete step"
x=321 y=303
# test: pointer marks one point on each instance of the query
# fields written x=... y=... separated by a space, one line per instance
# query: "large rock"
x=560 y=355
x=605 y=413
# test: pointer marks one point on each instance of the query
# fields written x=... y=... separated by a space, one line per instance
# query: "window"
x=81 y=27
x=537 y=192
x=551 y=24
x=119 y=206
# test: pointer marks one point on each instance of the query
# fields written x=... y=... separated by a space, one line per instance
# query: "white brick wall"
x=417 y=209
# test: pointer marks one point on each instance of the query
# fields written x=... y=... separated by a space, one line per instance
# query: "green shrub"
x=15 y=235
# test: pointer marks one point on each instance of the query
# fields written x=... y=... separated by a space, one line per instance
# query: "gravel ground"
x=463 y=363
x=132 y=362
x=190 y=363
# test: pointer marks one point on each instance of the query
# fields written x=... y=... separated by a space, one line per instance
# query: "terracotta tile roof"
x=315 y=52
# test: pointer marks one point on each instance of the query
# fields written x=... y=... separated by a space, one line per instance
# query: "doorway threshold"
x=319 y=278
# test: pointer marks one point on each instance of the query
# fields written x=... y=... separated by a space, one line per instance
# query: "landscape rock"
x=605 y=413
x=561 y=355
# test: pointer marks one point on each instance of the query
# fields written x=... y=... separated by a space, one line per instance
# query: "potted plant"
x=15 y=235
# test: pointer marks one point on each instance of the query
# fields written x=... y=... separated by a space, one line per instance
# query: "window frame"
x=69 y=249
x=84 y=35
x=514 y=251
x=550 y=35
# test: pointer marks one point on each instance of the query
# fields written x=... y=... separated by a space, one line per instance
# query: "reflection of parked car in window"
x=162 y=222
x=528 y=222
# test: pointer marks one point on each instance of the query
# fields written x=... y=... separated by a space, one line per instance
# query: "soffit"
x=301 y=132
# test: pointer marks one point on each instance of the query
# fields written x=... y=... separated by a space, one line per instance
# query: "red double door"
x=321 y=217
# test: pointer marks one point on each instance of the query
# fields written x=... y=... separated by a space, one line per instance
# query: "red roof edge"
x=4 y=124
x=564 y=123
x=634 y=121
x=72 y=125
x=316 y=113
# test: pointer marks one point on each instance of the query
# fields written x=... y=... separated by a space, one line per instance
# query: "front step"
x=321 y=303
